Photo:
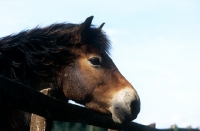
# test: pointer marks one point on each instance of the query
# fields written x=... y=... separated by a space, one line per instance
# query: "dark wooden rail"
x=19 y=96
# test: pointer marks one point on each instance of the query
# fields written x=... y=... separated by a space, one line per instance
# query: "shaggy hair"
x=38 y=55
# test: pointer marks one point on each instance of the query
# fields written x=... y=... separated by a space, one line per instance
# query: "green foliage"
x=70 y=126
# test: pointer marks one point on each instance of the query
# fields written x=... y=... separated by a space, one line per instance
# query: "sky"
x=155 y=45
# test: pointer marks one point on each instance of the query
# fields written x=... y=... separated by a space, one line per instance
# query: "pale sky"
x=155 y=45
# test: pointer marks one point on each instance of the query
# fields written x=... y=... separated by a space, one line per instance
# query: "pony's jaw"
x=125 y=105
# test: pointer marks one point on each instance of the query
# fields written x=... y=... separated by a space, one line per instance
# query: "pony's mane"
x=38 y=54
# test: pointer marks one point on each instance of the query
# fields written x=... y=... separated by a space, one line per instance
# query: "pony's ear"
x=83 y=29
x=85 y=26
x=101 y=26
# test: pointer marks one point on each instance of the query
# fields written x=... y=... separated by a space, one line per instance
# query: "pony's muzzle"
x=125 y=106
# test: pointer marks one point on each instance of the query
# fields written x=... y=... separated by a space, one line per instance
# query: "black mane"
x=37 y=55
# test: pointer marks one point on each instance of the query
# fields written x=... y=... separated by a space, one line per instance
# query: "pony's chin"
x=123 y=115
x=117 y=118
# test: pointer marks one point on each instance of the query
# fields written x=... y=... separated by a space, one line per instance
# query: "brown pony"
x=71 y=59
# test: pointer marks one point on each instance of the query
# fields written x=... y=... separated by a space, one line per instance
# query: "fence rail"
x=19 y=96
x=172 y=128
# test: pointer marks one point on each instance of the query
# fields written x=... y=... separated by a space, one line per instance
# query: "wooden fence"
x=172 y=128
x=27 y=99
x=67 y=126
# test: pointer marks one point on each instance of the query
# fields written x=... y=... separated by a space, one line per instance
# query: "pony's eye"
x=95 y=61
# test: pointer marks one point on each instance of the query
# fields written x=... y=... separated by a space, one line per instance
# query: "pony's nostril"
x=135 y=106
